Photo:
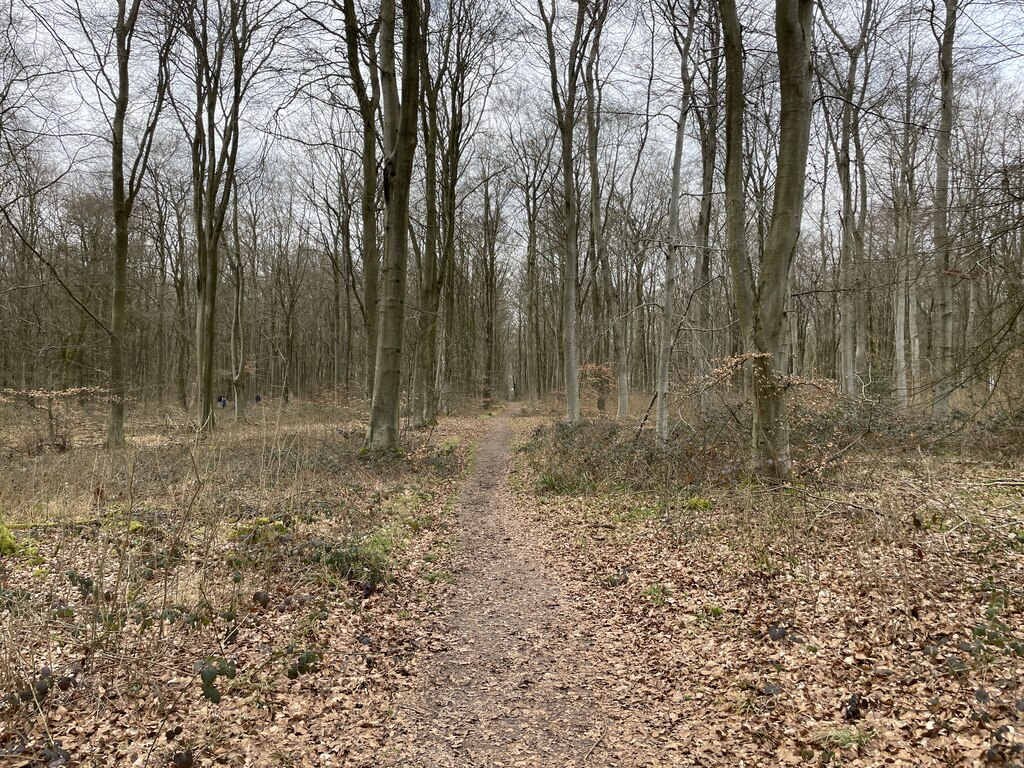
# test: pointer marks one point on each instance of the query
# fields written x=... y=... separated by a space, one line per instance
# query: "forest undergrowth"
x=870 y=612
x=249 y=599
x=266 y=595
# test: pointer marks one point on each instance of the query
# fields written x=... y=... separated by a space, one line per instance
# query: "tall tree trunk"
x=423 y=412
x=238 y=363
x=668 y=325
x=942 y=314
x=371 y=256
x=708 y=126
x=123 y=193
x=900 y=308
x=793 y=33
x=400 y=136
x=761 y=311
x=565 y=102
x=121 y=205
x=368 y=98
x=612 y=293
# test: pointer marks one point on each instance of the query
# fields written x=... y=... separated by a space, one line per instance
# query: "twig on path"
x=593 y=746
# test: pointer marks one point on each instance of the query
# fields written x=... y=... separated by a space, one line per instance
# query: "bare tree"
x=848 y=88
x=400 y=114
x=564 y=99
x=682 y=36
x=761 y=308
x=944 y=29
x=231 y=44
x=106 y=50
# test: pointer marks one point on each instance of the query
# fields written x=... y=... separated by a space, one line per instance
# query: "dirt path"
x=521 y=680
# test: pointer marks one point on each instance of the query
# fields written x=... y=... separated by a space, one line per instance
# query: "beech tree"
x=943 y=375
x=760 y=298
x=587 y=19
x=400 y=115
x=562 y=238
x=125 y=188
x=230 y=45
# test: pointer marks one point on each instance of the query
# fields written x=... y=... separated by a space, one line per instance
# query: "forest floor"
x=875 y=618
x=522 y=674
x=508 y=593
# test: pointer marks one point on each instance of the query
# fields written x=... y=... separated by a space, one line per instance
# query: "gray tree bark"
x=761 y=310
x=400 y=114
x=942 y=314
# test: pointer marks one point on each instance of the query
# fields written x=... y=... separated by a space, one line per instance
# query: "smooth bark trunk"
x=400 y=138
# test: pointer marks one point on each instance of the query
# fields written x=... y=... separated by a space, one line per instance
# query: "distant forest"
x=657 y=205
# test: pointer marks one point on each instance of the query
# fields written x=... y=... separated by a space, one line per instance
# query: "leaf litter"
x=873 y=619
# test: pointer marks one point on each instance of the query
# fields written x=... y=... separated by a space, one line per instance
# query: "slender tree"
x=564 y=99
x=400 y=115
x=231 y=43
x=760 y=300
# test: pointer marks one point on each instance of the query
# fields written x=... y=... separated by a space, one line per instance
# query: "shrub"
x=366 y=560
x=604 y=456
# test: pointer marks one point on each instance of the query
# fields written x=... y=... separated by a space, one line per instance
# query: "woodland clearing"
x=500 y=596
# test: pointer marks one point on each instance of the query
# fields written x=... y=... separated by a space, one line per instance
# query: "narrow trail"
x=519 y=681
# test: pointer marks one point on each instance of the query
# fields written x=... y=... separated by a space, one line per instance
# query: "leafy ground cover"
x=252 y=599
x=270 y=596
x=871 y=613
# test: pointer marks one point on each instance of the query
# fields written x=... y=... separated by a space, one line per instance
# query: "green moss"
x=262 y=530
x=8 y=544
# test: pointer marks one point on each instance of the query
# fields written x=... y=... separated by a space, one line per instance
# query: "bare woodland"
x=209 y=201
x=722 y=244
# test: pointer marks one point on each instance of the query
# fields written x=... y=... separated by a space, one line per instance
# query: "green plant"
x=8 y=544
x=994 y=635
x=698 y=504
x=262 y=530
x=306 y=662
x=85 y=585
x=710 y=613
x=658 y=594
x=637 y=513
x=209 y=670
x=551 y=481
x=366 y=560
x=766 y=565
x=843 y=738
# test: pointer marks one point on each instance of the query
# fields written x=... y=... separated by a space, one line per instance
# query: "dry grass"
x=131 y=570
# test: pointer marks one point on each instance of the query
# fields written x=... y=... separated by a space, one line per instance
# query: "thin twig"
x=593 y=747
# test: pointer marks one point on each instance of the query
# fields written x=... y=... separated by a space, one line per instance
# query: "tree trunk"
x=368 y=97
x=121 y=205
x=708 y=126
x=942 y=315
x=400 y=135
x=423 y=411
x=668 y=300
x=761 y=312
x=238 y=364
x=900 y=309
x=793 y=32
x=565 y=118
